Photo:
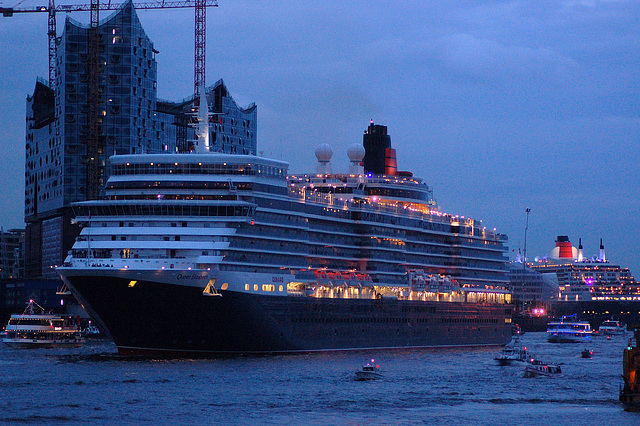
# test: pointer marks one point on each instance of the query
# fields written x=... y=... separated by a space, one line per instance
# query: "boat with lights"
x=35 y=328
x=569 y=330
x=513 y=352
x=537 y=368
x=612 y=328
x=205 y=253
x=369 y=371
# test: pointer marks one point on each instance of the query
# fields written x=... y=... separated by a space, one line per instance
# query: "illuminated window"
x=255 y=287
x=268 y=287
x=281 y=288
x=246 y=287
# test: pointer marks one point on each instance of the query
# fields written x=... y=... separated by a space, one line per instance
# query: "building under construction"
x=66 y=161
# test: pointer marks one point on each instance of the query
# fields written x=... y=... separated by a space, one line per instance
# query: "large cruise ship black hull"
x=168 y=320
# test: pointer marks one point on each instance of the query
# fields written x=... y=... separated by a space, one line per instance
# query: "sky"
x=499 y=106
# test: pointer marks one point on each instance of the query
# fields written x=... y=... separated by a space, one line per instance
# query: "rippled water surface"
x=439 y=386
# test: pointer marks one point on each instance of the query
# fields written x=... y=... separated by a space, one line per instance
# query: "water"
x=438 y=386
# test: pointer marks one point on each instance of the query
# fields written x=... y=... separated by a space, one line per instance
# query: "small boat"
x=36 y=329
x=91 y=332
x=587 y=353
x=370 y=371
x=630 y=392
x=512 y=352
x=612 y=328
x=569 y=330
x=538 y=368
x=516 y=330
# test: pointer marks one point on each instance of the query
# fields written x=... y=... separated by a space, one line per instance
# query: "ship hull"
x=156 y=318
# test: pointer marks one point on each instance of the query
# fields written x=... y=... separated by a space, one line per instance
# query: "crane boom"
x=94 y=142
x=200 y=24
x=9 y=11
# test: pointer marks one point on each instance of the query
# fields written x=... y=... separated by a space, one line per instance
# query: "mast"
x=524 y=262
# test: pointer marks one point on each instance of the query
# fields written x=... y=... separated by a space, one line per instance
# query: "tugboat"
x=36 y=329
x=630 y=392
x=370 y=371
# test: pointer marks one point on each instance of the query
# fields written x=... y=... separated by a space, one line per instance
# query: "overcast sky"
x=498 y=105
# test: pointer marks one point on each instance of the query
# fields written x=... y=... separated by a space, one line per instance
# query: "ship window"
x=281 y=288
x=246 y=287
x=255 y=287
x=225 y=286
x=268 y=287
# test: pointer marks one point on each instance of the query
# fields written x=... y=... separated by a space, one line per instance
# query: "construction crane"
x=93 y=101
x=95 y=7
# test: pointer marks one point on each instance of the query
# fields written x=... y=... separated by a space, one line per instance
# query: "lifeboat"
x=334 y=275
x=320 y=273
x=349 y=276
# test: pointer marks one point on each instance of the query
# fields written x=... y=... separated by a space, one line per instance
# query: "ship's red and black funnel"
x=564 y=247
x=379 y=157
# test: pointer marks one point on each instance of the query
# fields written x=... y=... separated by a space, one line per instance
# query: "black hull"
x=155 y=319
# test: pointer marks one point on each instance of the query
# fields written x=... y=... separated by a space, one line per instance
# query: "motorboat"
x=587 y=353
x=569 y=330
x=369 y=371
x=35 y=328
x=612 y=328
x=538 y=368
x=91 y=332
x=513 y=352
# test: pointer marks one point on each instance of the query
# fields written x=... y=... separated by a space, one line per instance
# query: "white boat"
x=512 y=352
x=92 y=332
x=538 y=368
x=370 y=371
x=612 y=328
x=36 y=329
x=569 y=330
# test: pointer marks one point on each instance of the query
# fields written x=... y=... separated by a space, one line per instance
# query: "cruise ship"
x=204 y=253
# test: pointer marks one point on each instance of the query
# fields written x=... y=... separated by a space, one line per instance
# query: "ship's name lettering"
x=277 y=280
x=191 y=277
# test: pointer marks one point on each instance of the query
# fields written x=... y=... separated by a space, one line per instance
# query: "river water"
x=425 y=387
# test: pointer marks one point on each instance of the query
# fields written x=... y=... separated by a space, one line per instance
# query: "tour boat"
x=35 y=328
x=569 y=330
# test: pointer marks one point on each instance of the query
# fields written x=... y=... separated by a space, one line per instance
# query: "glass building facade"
x=131 y=121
